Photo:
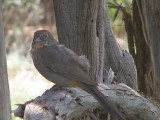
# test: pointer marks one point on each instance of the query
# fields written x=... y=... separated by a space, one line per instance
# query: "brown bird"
x=64 y=67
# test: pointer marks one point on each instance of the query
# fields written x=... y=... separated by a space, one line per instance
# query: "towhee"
x=64 y=67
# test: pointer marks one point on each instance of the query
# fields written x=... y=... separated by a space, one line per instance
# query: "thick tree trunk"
x=84 y=27
x=76 y=26
x=150 y=17
x=143 y=56
x=4 y=88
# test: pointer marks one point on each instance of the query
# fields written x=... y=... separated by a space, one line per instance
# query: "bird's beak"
x=37 y=39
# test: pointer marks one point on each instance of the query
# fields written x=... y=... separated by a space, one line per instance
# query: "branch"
x=72 y=103
x=121 y=62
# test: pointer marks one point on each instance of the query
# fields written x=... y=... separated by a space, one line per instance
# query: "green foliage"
x=116 y=14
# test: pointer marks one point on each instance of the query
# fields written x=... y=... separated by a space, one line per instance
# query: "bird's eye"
x=46 y=36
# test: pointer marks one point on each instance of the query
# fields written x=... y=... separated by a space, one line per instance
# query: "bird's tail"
x=106 y=104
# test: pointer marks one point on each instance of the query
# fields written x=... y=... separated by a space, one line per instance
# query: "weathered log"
x=74 y=104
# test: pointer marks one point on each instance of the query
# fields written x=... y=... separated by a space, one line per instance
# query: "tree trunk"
x=76 y=26
x=143 y=56
x=4 y=88
x=84 y=27
x=150 y=17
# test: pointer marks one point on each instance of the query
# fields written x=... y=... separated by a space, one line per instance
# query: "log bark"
x=4 y=88
x=75 y=104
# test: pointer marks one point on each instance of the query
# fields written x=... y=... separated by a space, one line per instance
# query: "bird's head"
x=42 y=38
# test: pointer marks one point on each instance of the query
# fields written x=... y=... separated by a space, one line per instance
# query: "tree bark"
x=150 y=16
x=4 y=88
x=76 y=26
x=84 y=27
x=119 y=60
x=143 y=56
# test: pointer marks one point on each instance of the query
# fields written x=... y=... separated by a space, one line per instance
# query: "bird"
x=64 y=67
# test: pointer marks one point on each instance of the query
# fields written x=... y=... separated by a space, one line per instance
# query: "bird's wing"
x=80 y=61
x=65 y=62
